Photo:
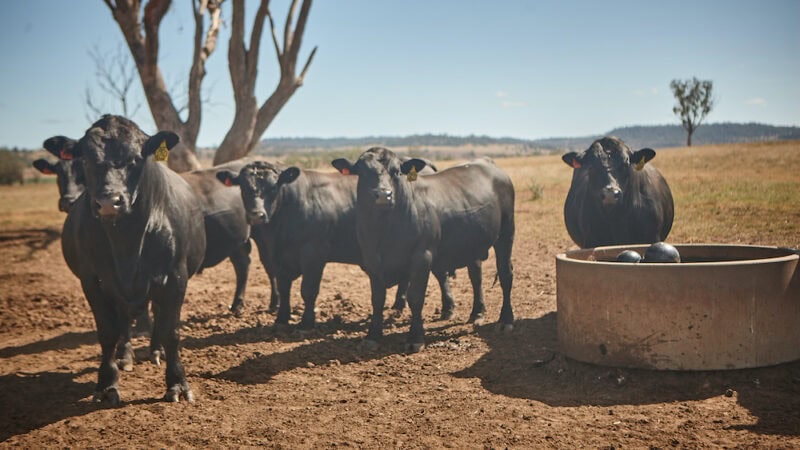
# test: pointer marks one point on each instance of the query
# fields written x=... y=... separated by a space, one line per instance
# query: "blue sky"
x=518 y=68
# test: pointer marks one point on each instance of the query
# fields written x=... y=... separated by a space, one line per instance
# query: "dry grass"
x=741 y=193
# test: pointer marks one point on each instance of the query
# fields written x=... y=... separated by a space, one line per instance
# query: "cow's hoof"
x=108 y=395
x=369 y=345
x=477 y=319
x=125 y=364
x=505 y=327
x=447 y=315
x=237 y=309
x=304 y=333
x=396 y=313
x=177 y=393
x=155 y=357
x=414 y=347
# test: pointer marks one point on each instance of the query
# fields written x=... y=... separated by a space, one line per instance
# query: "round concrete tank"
x=723 y=307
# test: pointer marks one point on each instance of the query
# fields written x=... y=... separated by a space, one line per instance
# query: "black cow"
x=616 y=198
x=68 y=171
x=408 y=227
x=302 y=220
x=136 y=233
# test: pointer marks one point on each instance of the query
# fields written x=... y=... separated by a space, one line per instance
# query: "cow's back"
x=317 y=212
x=473 y=202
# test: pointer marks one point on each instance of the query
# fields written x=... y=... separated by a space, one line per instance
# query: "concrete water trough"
x=722 y=307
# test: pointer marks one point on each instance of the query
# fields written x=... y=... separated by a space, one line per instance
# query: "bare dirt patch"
x=472 y=387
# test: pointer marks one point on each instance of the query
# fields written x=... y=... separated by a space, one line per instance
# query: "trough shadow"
x=66 y=341
x=527 y=365
x=33 y=401
x=263 y=367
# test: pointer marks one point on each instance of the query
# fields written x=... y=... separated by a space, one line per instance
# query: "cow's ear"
x=228 y=178
x=160 y=144
x=61 y=147
x=641 y=157
x=413 y=163
x=288 y=175
x=343 y=166
x=572 y=160
x=44 y=166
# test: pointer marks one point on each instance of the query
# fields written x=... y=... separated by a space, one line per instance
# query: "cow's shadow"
x=261 y=368
x=32 y=401
x=66 y=341
x=527 y=364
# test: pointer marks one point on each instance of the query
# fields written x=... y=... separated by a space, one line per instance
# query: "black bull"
x=616 y=198
x=408 y=227
x=136 y=233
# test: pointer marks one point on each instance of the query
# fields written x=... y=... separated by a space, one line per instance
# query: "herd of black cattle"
x=136 y=231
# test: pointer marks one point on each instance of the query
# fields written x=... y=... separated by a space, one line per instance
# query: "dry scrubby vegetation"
x=470 y=388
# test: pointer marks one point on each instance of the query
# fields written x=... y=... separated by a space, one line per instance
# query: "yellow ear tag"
x=412 y=174
x=640 y=165
x=162 y=152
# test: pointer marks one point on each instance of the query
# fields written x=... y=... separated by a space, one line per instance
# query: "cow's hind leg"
x=240 y=259
x=108 y=334
x=505 y=271
x=400 y=298
x=476 y=279
x=448 y=303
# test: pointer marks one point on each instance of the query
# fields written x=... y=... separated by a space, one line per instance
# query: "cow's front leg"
x=105 y=318
x=170 y=300
x=378 y=288
x=418 y=284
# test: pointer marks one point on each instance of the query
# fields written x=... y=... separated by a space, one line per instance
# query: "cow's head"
x=114 y=153
x=381 y=174
x=260 y=183
x=608 y=165
x=68 y=172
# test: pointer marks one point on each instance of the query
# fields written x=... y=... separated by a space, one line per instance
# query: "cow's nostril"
x=117 y=201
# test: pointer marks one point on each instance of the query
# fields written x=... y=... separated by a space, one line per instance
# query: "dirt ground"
x=471 y=387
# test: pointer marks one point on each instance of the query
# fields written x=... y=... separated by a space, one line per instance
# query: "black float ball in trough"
x=661 y=252
x=629 y=256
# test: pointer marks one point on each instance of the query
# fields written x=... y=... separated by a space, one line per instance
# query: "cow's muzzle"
x=384 y=197
x=65 y=203
x=110 y=206
x=611 y=196
x=258 y=217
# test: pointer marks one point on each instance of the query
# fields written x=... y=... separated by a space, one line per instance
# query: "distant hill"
x=656 y=136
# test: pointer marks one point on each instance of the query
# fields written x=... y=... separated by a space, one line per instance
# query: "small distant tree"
x=694 y=103
x=11 y=167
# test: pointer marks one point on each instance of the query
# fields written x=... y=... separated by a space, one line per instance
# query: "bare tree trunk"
x=144 y=50
x=250 y=121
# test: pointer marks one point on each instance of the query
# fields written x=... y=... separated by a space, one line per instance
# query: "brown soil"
x=471 y=387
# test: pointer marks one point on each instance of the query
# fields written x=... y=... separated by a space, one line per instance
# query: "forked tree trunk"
x=140 y=27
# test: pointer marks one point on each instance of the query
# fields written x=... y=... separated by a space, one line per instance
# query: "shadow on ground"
x=33 y=401
x=528 y=365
